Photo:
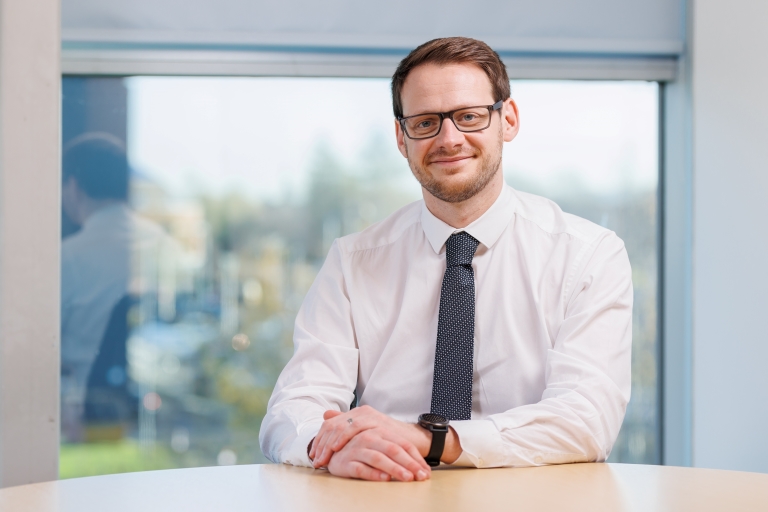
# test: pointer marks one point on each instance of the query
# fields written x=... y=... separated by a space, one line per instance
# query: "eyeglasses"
x=467 y=119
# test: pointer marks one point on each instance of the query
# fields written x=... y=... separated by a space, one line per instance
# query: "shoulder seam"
x=603 y=230
x=351 y=251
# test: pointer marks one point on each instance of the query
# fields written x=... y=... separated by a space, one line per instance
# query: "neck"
x=461 y=215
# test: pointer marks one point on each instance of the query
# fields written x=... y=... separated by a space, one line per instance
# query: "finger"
x=316 y=443
x=327 y=415
x=340 y=438
x=378 y=460
x=320 y=440
x=322 y=451
x=336 y=438
x=345 y=426
x=408 y=446
x=405 y=458
x=313 y=448
x=327 y=430
x=414 y=453
x=321 y=458
x=330 y=413
x=365 y=472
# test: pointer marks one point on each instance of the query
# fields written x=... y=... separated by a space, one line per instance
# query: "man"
x=97 y=262
x=507 y=319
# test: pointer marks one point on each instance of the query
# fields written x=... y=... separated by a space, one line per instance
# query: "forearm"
x=587 y=377
x=322 y=373
x=557 y=430
x=286 y=428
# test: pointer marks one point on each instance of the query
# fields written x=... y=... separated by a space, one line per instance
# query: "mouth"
x=450 y=159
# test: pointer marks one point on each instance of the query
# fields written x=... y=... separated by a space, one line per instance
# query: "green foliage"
x=125 y=456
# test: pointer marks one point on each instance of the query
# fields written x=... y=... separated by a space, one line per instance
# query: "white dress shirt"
x=552 y=346
x=98 y=264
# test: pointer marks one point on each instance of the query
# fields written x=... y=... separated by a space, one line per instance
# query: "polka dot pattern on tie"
x=454 y=353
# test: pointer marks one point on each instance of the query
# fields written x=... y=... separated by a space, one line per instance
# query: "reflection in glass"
x=179 y=296
x=592 y=147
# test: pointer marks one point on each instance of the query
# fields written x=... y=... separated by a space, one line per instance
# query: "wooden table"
x=588 y=487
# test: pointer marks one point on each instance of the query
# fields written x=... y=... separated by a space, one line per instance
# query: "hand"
x=369 y=456
x=338 y=430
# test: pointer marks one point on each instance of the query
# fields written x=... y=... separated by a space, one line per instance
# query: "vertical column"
x=729 y=77
x=30 y=182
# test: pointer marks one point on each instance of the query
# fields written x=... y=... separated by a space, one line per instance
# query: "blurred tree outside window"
x=245 y=183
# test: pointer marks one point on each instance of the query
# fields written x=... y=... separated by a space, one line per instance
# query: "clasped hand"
x=372 y=446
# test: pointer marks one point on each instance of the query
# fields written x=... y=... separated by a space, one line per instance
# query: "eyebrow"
x=450 y=110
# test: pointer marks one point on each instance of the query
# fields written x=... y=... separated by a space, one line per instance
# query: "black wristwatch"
x=438 y=425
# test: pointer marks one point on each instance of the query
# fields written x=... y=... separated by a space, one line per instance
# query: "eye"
x=468 y=116
x=427 y=123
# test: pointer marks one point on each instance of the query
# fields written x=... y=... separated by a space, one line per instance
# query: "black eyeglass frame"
x=449 y=115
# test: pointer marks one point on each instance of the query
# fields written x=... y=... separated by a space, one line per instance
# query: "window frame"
x=31 y=440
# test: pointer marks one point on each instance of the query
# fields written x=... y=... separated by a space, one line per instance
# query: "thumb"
x=330 y=414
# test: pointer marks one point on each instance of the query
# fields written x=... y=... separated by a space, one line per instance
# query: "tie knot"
x=460 y=249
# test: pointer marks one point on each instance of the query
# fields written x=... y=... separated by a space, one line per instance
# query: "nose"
x=449 y=135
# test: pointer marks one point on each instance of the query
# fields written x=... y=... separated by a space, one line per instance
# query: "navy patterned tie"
x=452 y=383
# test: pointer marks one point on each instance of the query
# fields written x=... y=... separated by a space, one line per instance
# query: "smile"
x=451 y=160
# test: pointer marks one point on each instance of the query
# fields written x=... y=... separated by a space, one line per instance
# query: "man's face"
x=454 y=166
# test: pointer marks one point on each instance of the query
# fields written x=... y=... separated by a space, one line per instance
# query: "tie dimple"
x=454 y=352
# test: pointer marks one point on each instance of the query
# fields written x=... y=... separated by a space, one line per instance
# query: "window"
x=183 y=270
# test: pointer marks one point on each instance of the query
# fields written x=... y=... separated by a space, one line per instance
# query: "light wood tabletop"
x=588 y=487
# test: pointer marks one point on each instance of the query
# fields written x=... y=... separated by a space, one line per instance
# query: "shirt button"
x=538 y=460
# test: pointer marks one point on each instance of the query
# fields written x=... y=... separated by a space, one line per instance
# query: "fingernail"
x=406 y=476
x=421 y=475
x=384 y=476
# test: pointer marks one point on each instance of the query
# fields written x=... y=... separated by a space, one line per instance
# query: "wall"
x=30 y=192
x=730 y=234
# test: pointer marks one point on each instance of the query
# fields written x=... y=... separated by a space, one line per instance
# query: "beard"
x=489 y=164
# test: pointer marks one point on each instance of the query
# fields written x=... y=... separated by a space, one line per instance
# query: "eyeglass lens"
x=466 y=120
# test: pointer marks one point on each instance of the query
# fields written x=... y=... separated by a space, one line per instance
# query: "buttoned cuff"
x=297 y=453
x=481 y=443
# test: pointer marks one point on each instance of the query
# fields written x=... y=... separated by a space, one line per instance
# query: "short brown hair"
x=452 y=50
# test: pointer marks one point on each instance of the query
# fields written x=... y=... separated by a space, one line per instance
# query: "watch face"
x=433 y=419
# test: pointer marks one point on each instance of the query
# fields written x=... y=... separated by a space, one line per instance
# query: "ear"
x=400 y=139
x=510 y=120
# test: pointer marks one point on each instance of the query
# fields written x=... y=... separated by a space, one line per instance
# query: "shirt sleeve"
x=321 y=375
x=587 y=376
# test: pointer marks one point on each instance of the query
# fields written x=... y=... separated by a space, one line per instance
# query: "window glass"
x=197 y=212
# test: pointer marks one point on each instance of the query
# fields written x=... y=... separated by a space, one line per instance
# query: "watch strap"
x=437 y=446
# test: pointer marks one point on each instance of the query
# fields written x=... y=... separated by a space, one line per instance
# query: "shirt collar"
x=487 y=229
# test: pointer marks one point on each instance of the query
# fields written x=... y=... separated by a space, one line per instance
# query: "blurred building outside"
x=208 y=341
